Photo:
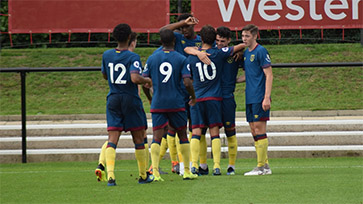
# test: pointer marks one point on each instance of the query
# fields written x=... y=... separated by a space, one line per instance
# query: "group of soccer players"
x=189 y=77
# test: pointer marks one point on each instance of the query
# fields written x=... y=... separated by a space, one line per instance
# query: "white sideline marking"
x=238 y=123
x=223 y=149
x=129 y=137
x=129 y=170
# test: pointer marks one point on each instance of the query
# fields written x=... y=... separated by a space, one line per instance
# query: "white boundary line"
x=238 y=123
x=223 y=149
x=129 y=137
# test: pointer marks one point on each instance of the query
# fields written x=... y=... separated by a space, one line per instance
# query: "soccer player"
x=259 y=77
x=207 y=85
x=167 y=68
x=186 y=38
x=124 y=109
x=100 y=170
x=228 y=84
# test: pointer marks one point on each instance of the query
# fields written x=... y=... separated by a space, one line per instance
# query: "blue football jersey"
x=181 y=43
x=254 y=63
x=167 y=68
x=229 y=75
x=207 y=78
x=118 y=66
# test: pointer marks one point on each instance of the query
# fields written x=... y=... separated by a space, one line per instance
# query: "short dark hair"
x=133 y=37
x=208 y=34
x=252 y=28
x=167 y=37
x=224 y=32
x=184 y=16
x=121 y=32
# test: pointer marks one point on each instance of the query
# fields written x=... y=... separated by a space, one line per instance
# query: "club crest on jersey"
x=252 y=58
x=198 y=44
x=183 y=42
x=230 y=60
x=225 y=49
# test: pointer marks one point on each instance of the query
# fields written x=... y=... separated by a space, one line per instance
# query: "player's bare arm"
x=266 y=103
x=203 y=56
x=138 y=79
x=238 y=47
x=104 y=76
x=147 y=93
x=189 y=87
x=188 y=21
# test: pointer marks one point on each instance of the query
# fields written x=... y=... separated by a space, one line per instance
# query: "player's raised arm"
x=189 y=21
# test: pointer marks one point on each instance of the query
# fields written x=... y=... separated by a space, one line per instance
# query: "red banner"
x=279 y=14
x=86 y=16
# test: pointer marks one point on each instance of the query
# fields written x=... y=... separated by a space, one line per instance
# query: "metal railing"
x=24 y=70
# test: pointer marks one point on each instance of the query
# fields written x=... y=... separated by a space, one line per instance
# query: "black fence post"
x=23 y=115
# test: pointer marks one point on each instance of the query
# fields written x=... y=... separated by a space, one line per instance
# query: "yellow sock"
x=172 y=146
x=178 y=148
x=185 y=152
x=141 y=157
x=163 y=148
x=232 y=149
x=261 y=144
x=216 y=149
x=203 y=150
x=147 y=154
x=190 y=136
x=262 y=152
x=155 y=152
x=102 y=158
x=194 y=146
x=110 y=160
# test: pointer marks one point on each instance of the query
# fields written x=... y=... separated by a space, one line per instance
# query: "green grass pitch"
x=303 y=180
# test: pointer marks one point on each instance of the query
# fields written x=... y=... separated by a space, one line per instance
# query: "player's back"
x=207 y=78
x=166 y=68
x=118 y=66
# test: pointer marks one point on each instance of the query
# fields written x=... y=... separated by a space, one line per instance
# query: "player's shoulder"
x=108 y=52
x=178 y=55
x=198 y=38
x=261 y=48
x=224 y=49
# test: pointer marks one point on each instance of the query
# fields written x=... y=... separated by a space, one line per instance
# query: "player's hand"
x=238 y=56
x=192 y=101
x=266 y=104
x=203 y=56
x=148 y=83
x=191 y=21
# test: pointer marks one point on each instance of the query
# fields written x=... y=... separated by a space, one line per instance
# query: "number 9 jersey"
x=167 y=68
x=118 y=66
